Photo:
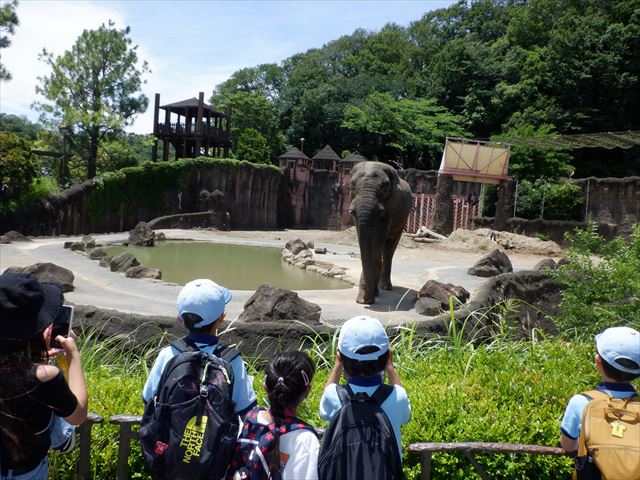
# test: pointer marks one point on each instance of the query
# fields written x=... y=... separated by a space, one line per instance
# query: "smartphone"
x=61 y=325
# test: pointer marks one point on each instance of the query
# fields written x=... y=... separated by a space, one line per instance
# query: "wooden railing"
x=126 y=434
x=426 y=450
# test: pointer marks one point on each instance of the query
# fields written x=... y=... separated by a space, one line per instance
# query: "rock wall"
x=323 y=207
x=256 y=197
x=612 y=200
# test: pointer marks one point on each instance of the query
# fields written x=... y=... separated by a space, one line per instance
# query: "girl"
x=34 y=395
x=274 y=443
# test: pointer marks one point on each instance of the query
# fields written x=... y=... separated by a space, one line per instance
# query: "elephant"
x=380 y=205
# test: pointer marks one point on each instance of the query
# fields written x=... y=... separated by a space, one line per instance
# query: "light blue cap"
x=205 y=298
x=619 y=343
x=359 y=332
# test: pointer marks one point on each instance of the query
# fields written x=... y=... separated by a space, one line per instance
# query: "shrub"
x=600 y=291
x=18 y=169
x=561 y=201
x=252 y=147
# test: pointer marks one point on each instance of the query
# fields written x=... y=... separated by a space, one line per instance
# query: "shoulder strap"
x=229 y=354
x=184 y=344
x=345 y=394
x=295 y=424
x=595 y=395
x=382 y=393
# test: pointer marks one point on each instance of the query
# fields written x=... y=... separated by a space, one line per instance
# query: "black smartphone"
x=61 y=325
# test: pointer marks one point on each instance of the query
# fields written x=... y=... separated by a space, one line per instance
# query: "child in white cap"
x=201 y=304
x=617 y=360
x=364 y=357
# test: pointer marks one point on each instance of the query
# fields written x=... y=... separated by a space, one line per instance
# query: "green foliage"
x=412 y=131
x=561 y=201
x=8 y=22
x=20 y=125
x=252 y=147
x=94 y=88
x=602 y=282
x=18 y=169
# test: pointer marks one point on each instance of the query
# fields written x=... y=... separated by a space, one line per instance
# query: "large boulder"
x=546 y=263
x=428 y=306
x=48 y=272
x=88 y=241
x=271 y=303
x=123 y=262
x=442 y=291
x=492 y=264
x=106 y=261
x=143 y=272
x=296 y=246
x=13 y=236
x=97 y=253
x=142 y=235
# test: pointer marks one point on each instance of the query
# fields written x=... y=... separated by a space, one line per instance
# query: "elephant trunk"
x=368 y=212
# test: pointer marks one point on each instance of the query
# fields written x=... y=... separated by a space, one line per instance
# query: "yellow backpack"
x=609 y=444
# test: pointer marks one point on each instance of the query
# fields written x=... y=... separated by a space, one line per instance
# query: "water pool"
x=237 y=267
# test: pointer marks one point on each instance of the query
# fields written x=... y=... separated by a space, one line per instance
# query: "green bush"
x=253 y=147
x=562 y=201
x=502 y=392
x=602 y=281
x=18 y=169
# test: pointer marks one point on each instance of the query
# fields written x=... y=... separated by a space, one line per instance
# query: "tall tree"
x=8 y=22
x=95 y=87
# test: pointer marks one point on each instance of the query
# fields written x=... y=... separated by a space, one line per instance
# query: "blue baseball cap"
x=618 y=343
x=205 y=298
x=359 y=332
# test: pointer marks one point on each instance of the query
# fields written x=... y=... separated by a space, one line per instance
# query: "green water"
x=237 y=267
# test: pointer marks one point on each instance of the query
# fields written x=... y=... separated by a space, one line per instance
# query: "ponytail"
x=287 y=377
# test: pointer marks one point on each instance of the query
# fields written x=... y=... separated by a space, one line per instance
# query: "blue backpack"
x=255 y=456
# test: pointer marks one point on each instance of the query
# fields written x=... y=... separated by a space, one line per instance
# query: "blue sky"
x=190 y=45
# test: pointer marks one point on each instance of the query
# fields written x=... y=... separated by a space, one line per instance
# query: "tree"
x=252 y=147
x=18 y=169
x=8 y=22
x=95 y=87
x=20 y=125
x=412 y=131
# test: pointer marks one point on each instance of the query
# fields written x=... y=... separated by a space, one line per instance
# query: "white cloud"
x=44 y=24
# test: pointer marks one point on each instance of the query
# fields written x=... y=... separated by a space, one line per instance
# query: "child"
x=276 y=438
x=617 y=360
x=363 y=352
x=201 y=305
x=37 y=405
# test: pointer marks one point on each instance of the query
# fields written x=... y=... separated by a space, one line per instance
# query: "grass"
x=502 y=391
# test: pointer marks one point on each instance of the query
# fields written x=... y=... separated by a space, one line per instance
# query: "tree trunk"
x=93 y=156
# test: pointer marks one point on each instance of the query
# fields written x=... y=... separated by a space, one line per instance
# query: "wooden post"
x=167 y=132
x=425 y=464
x=84 y=434
x=227 y=139
x=156 y=114
x=199 y=125
x=125 y=436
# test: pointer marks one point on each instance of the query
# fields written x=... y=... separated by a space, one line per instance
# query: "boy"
x=201 y=305
x=363 y=353
x=617 y=360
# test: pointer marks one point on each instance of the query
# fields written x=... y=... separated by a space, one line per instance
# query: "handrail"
x=426 y=450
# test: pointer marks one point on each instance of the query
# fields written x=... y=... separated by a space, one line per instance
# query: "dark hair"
x=287 y=375
x=17 y=378
x=364 y=368
x=619 y=375
x=190 y=319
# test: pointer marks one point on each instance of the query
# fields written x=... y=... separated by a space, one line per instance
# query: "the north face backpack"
x=609 y=443
x=189 y=428
x=254 y=456
x=359 y=442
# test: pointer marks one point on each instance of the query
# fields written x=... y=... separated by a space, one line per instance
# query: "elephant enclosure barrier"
x=127 y=433
x=423 y=211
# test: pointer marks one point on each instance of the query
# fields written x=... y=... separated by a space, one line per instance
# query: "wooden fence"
x=127 y=433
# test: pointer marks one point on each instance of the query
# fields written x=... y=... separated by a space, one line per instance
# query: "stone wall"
x=612 y=200
x=256 y=197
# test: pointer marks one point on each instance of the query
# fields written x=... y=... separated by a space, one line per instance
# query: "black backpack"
x=189 y=428
x=359 y=443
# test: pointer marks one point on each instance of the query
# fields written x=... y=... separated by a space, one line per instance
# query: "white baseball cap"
x=205 y=298
x=359 y=332
x=618 y=343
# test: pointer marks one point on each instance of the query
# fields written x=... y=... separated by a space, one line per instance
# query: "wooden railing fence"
x=126 y=434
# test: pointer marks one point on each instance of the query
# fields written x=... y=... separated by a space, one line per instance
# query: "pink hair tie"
x=280 y=381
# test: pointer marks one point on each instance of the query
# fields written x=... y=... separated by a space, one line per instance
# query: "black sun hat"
x=26 y=305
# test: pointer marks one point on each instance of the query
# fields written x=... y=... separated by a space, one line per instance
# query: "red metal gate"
x=424 y=207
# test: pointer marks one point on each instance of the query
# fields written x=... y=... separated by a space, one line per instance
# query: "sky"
x=191 y=46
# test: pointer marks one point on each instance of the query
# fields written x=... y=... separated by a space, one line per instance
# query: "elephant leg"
x=362 y=296
x=387 y=256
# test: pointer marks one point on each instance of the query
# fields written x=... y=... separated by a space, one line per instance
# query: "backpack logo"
x=193 y=438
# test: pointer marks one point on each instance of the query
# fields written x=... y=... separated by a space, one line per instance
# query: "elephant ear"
x=393 y=175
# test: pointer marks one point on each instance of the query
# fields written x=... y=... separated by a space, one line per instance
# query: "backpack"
x=609 y=443
x=253 y=456
x=189 y=428
x=359 y=442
